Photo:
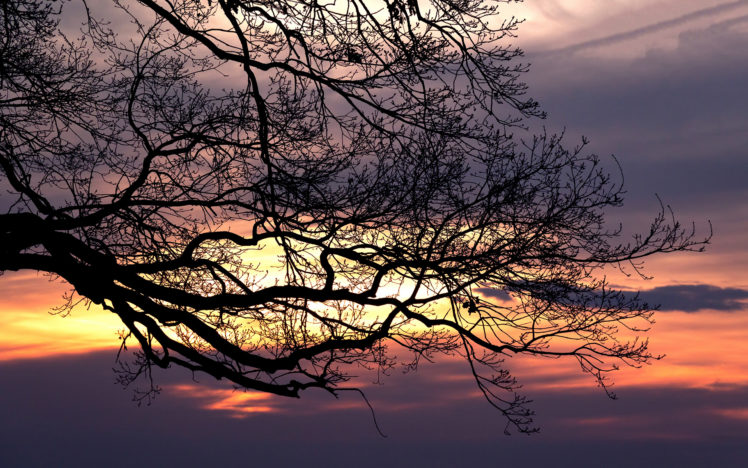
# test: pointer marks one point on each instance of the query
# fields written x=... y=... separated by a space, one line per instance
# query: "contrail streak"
x=607 y=40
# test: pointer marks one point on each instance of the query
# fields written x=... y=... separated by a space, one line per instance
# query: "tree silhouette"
x=276 y=192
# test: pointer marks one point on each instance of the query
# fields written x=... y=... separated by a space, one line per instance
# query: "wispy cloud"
x=648 y=29
x=236 y=404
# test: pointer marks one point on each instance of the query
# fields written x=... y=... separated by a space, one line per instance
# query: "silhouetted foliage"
x=276 y=192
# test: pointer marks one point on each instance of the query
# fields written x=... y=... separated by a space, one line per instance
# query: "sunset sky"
x=662 y=85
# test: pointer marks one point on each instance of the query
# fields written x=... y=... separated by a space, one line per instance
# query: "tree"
x=276 y=192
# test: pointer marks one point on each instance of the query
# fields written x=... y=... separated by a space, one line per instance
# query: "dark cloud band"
x=686 y=298
x=695 y=297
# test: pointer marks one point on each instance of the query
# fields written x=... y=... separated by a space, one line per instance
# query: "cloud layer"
x=695 y=297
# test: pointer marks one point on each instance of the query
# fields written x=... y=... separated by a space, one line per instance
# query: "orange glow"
x=733 y=413
x=236 y=403
x=702 y=350
x=607 y=421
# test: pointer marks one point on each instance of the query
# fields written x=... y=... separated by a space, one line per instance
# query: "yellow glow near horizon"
x=703 y=349
x=29 y=330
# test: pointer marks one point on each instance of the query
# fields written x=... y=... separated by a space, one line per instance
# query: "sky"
x=660 y=84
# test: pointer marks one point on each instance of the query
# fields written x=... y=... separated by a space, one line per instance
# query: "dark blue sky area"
x=68 y=412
